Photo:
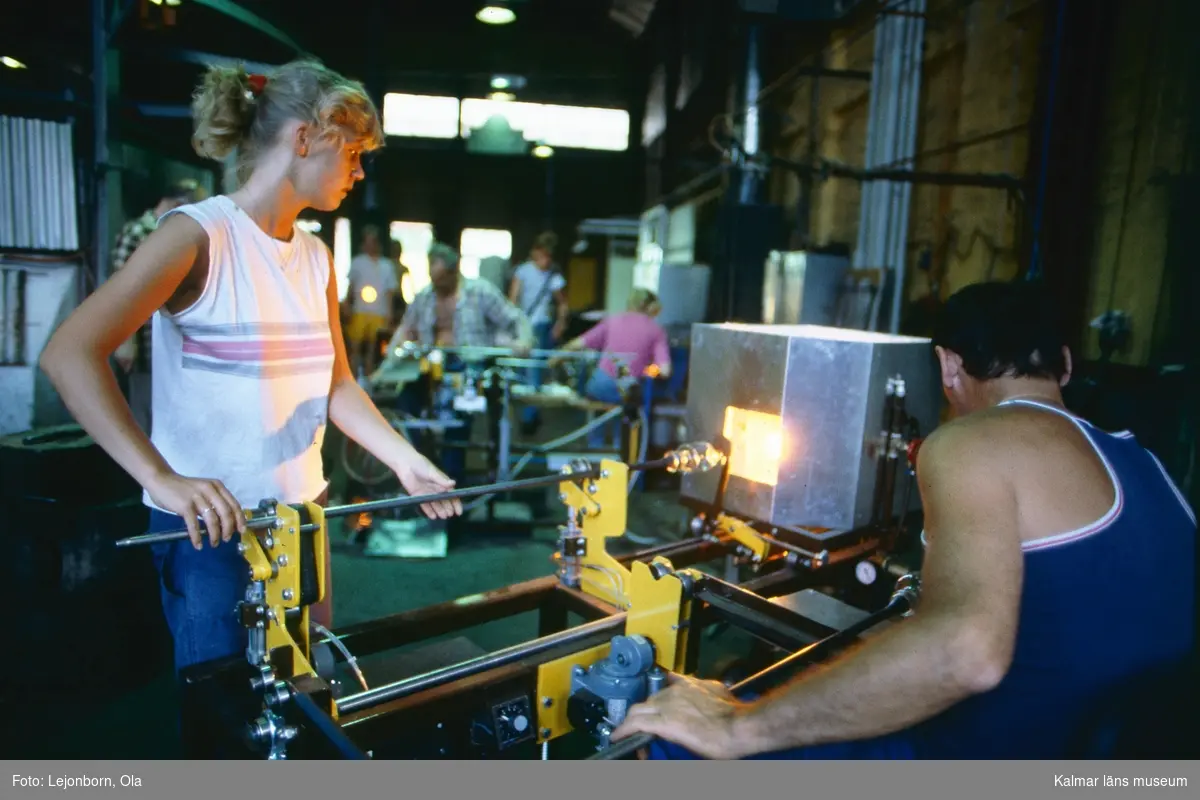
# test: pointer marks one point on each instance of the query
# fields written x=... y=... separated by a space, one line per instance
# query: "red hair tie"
x=257 y=84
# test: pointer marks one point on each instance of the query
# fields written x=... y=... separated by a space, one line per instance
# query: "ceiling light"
x=502 y=97
x=11 y=63
x=543 y=151
x=174 y=2
x=501 y=83
x=496 y=15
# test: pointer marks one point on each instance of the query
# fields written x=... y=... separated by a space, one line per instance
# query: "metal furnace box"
x=803 y=408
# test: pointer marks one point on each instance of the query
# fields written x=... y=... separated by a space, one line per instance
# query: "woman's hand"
x=197 y=499
x=420 y=477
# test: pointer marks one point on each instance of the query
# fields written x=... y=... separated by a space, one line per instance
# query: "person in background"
x=249 y=360
x=399 y=303
x=373 y=284
x=638 y=340
x=454 y=311
x=133 y=356
x=537 y=289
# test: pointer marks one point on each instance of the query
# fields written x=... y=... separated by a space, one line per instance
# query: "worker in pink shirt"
x=637 y=340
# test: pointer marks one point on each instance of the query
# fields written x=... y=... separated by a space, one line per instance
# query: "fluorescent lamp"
x=495 y=15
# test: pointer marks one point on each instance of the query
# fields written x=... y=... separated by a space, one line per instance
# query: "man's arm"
x=503 y=314
x=560 y=303
x=591 y=339
x=959 y=643
x=662 y=354
x=131 y=235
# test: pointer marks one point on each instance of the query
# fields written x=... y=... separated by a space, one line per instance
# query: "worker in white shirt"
x=373 y=282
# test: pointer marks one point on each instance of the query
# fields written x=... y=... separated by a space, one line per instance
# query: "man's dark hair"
x=446 y=254
x=1003 y=329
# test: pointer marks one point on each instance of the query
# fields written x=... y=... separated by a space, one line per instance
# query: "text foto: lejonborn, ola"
x=76 y=781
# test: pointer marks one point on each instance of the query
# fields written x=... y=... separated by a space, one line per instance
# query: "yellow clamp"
x=274 y=556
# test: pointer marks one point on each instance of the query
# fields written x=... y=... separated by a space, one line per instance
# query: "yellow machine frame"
x=274 y=558
x=652 y=594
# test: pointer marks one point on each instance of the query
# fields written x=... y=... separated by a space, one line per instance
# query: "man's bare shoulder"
x=987 y=438
x=999 y=437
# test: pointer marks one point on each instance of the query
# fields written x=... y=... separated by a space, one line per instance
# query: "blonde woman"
x=249 y=364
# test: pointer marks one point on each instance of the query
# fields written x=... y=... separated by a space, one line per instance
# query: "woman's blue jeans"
x=603 y=388
x=200 y=590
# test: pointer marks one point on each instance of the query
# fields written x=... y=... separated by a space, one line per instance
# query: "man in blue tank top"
x=1059 y=569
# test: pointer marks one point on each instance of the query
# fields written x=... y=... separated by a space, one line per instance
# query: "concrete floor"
x=135 y=717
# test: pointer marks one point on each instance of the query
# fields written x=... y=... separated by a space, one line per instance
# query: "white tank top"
x=241 y=378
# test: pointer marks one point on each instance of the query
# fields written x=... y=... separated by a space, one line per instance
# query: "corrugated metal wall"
x=38 y=209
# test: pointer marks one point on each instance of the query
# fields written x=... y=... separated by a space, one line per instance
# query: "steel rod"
x=403 y=501
x=475 y=666
x=757 y=683
x=458 y=494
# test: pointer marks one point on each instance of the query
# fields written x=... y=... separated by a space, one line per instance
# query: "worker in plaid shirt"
x=134 y=355
x=454 y=311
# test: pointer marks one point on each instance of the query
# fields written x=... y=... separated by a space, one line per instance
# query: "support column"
x=100 y=236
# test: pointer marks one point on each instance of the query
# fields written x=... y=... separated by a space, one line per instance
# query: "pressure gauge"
x=866 y=573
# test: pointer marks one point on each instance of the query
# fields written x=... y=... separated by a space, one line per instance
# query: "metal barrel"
x=900 y=603
x=392 y=691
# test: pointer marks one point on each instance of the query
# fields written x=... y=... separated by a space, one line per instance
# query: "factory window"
x=343 y=252
x=480 y=243
x=427 y=116
x=415 y=239
x=558 y=126
x=439 y=117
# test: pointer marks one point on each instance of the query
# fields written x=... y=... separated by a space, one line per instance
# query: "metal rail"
x=475 y=666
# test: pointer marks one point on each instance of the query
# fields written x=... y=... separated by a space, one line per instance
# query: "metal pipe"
x=750 y=124
x=100 y=138
x=406 y=627
x=475 y=666
x=327 y=729
x=914 y=32
x=403 y=501
x=901 y=603
x=835 y=169
x=861 y=254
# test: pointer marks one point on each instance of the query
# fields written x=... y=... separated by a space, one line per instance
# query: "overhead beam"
x=211 y=59
x=174 y=112
x=249 y=18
